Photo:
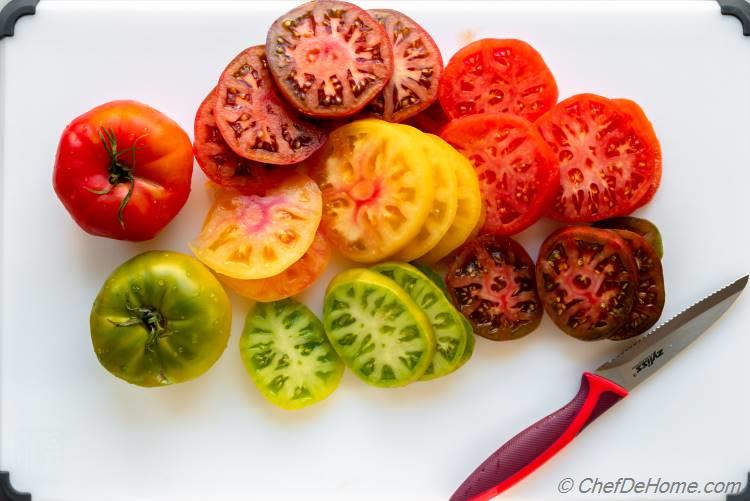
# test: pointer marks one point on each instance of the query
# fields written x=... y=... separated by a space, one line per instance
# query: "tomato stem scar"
x=151 y=318
x=118 y=171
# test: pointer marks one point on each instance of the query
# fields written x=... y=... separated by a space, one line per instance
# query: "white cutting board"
x=71 y=432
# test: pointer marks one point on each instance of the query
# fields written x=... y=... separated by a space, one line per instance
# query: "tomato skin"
x=162 y=172
x=497 y=76
x=518 y=172
x=196 y=313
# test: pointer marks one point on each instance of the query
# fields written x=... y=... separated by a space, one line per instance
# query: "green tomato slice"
x=433 y=275
x=160 y=318
x=470 y=341
x=445 y=320
x=287 y=354
x=377 y=329
x=438 y=280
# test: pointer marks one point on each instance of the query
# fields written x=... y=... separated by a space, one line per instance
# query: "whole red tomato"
x=123 y=170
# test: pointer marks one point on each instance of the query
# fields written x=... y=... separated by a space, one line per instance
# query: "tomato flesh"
x=222 y=165
x=253 y=237
x=649 y=135
x=518 y=173
x=586 y=279
x=497 y=76
x=491 y=281
x=293 y=280
x=377 y=189
x=149 y=147
x=329 y=58
x=649 y=296
x=608 y=160
x=417 y=67
x=255 y=121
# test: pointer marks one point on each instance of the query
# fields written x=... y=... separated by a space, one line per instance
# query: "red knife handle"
x=529 y=449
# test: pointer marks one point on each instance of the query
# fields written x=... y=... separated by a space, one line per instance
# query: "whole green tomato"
x=160 y=318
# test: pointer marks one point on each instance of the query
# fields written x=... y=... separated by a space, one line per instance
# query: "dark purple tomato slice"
x=587 y=281
x=649 y=294
x=491 y=281
x=643 y=227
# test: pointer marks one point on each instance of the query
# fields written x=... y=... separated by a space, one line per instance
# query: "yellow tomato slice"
x=444 y=204
x=251 y=236
x=289 y=282
x=377 y=189
x=470 y=211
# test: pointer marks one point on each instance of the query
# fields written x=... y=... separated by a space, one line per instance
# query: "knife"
x=599 y=391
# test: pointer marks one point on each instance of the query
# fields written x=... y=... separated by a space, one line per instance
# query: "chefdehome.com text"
x=652 y=485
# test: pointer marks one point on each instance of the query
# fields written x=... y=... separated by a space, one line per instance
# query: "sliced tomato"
x=329 y=58
x=649 y=135
x=608 y=160
x=378 y=189
x=251 y=236
x=518 y=172
x=417 y=67
x=497 y=76
x=649 y=296
x=222 y=165
x=442 y=214
x=293 y=280
x=491 y=281
x=587 y=279
x=255 y=121
x=642 y=227
x=432 y=119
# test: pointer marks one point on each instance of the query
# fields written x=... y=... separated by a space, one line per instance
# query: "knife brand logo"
x=648 y=361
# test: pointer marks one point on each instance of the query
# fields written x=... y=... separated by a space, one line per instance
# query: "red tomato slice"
x=649 y=135
x=417 y=67
x=518 y=172
x=225 y=167
x=432 y=119
x=329 y=58
x=123 y=170
x=497 y=76
x=608 y=161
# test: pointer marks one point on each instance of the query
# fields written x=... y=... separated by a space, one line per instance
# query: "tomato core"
x=363 y=190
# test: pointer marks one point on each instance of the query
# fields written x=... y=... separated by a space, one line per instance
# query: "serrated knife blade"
x=660 y=345
x=599 y=391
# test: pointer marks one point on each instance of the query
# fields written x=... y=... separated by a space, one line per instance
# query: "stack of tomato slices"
x=324 y=63
x=584 y=159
